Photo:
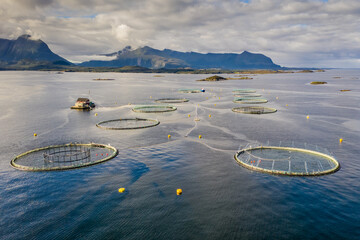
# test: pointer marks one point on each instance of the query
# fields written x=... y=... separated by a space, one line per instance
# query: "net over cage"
x=127 y=123
x=247 y=95
x=191 y=90
x=63 y=157
x=154 y=109
x=253 y=110
x=171 y=100
x=244 y=90
x=287 y=161
x=250 y=100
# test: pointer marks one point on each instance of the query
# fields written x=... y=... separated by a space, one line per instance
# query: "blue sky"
x=302 y=33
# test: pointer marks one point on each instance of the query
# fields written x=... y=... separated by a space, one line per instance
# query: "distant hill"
x=153 y=58
x=26 y=51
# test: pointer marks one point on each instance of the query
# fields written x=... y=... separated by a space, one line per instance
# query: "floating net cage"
x=63 y=157
x=250 y=100
x=171 y=100
x=287 y=160
x=253 y=110
x=127 y=124
x=154 y=109
x=247 y=95
x=190 y=90
x=245 y=90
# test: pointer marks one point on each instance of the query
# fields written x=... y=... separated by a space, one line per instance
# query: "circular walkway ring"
x=253 y=110
x=14 y=164
x=287 y=173
x=155 y=123
x=247 y=95
x=171 y=100
x=154 y=109
x=250 y=100
x=245 y=90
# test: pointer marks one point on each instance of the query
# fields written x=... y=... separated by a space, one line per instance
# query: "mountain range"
x=153 y=58
x=25 y=51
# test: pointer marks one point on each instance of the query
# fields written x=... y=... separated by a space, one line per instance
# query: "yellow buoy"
x=35 y=134
x=286 y=105
x=179 y=191
x=200 y=136
x=340 y=140
x=95 y=114
x=169 y=136
x=121 y=190
x=209 y=115
x=189 y=115
x=307 y=117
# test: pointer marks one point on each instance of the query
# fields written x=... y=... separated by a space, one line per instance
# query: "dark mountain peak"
x=146 y=48
x=25 y=36
x=125 y=50
x=25 y=48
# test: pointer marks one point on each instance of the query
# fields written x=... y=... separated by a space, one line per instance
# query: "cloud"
x=291 y=32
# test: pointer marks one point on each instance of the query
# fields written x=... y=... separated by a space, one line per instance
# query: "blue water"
x=220 y=200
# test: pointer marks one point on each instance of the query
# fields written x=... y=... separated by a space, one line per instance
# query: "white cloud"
x=291 y=32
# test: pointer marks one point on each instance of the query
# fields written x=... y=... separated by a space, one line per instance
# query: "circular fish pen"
x=246 y=90
x=253 y=110
x=63 y=157
x=247 y=95
x=190 y=90
x=250 y=100
x=154 y=109
x=288 y=161
x=171 y=100
x=127 y=124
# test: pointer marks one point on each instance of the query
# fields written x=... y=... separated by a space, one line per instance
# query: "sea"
x=220 y=199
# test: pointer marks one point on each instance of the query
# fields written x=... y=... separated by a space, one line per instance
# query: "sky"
x=293 y=33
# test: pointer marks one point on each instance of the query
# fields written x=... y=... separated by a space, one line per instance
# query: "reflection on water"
x=220 y=200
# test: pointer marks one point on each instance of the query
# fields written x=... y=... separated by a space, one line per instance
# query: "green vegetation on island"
x=217 y=78
x=214 y=78
x=318 y=83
